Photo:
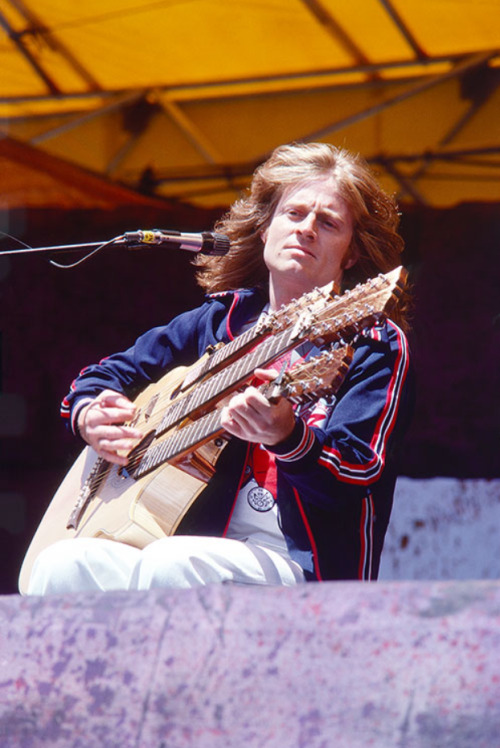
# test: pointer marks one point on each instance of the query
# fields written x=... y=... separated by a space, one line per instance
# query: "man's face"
x=307 y=239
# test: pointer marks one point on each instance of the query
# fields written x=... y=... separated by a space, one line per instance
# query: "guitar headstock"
x=288 y=314
x=345 y=315
x=320 y=376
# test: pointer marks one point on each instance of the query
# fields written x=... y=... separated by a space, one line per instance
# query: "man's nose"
x=307 y=226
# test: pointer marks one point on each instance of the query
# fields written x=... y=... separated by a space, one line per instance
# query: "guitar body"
x=152 y=402
x=123 y=509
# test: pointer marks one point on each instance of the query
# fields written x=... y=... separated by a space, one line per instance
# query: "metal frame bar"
x=38 y=28
x=245 y=170
x=325 y=18
x=452 y=133
x=407 y=183
x=404 y=30
x=244 y=176
x=87 y=117
x=198 y=91
x=206 y=150
x=31 y=59
x=191 y=132
x=466 y=64
x=121 y=154
x=457 y=155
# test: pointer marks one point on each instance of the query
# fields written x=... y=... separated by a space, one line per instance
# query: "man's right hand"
x=101 y=425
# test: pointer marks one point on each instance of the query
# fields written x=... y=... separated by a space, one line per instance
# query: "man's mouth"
x=300 y=247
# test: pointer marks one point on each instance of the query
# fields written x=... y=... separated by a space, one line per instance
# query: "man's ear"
x=351 y=258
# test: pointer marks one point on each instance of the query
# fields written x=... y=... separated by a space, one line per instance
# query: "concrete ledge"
x=345 y=665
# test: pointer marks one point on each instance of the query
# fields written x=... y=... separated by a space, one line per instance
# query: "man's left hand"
x=249 y=415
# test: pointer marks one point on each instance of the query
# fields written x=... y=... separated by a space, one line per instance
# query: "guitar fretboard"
x=340 y=316
x=269 y=323
x=230 y=378
x=223 y=356
x=320 y=376
x=209 y=426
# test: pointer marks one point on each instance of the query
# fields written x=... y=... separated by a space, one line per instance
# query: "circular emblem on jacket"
x=260 y=499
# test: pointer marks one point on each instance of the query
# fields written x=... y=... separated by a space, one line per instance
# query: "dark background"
x=53 y=322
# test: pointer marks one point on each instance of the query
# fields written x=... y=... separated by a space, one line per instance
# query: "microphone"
x=208 y=242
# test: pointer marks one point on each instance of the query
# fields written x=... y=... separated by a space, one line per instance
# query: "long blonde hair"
x=376 y=242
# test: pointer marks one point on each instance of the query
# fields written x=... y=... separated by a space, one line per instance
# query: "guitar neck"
x=268 y=324
x=226 y=380
x=320 y=376
x=325 y=320
x=185 y=439
x=222 y=356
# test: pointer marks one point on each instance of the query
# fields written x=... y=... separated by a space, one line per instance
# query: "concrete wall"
x=443 y=528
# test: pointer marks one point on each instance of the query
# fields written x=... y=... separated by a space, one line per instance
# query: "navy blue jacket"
x=336 y=472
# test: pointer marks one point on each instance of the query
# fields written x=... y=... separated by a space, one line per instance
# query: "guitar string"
x=140 y=451
x=232 y=367
x=176 y=441
x=228 y=373
x=175 y=444
x=183 y=439
x=223 y=354
x=222 y=382
x=162 y=400
x=287 y=314
x=247 y=364
x=396 y=285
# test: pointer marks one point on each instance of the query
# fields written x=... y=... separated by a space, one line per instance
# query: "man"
x=324 y=477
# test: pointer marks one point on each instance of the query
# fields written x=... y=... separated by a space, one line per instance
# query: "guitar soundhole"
x=176 y=392
x=150 y=407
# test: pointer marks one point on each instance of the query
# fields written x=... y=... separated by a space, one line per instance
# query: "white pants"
x=84 y=564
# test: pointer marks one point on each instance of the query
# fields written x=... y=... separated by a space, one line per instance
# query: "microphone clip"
x=207 y=242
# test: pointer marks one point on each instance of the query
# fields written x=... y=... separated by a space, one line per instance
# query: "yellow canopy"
x=183 y=98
